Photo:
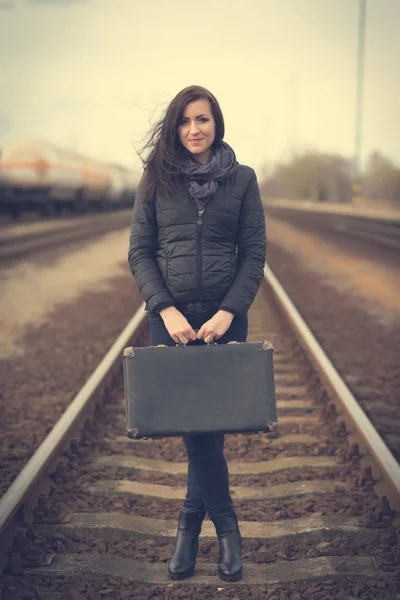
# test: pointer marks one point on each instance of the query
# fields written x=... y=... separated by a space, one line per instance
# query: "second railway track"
x=318 y=501
x=23 y=241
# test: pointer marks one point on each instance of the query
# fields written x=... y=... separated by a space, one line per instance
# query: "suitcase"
x=207 y=388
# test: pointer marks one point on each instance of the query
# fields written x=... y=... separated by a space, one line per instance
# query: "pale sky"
x=92 y=75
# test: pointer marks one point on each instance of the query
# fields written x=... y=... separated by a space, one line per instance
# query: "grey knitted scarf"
x=204 y=179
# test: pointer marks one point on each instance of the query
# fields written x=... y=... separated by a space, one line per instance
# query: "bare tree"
x=381 y=179
x=311 y=176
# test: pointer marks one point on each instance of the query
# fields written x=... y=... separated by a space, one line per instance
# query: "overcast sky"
x=92 y=75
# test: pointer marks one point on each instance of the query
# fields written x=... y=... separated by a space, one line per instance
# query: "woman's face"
x=197 y=129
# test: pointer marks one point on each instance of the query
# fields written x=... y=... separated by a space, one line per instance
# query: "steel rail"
x=373 y=441
x=44 y=456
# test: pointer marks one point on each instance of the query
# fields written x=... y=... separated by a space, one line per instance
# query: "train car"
x=36 y=175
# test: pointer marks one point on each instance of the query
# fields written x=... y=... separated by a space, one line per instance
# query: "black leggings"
x=208 y=476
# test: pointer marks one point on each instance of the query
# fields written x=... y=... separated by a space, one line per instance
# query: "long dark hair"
x=162 y=166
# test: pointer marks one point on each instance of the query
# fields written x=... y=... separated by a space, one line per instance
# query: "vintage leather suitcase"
x=208 y=388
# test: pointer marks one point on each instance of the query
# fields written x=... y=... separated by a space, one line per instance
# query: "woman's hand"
x=177 y=325
x=216 y=326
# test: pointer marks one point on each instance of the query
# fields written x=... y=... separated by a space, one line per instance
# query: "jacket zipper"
x=200 y=255
x=200 y=222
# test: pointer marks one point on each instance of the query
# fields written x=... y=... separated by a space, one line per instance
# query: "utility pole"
x=362 y=11
x=293 y=115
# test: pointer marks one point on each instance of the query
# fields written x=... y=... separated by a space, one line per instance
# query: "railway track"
x=318 y=501
x=378 y=227
x=22 y=241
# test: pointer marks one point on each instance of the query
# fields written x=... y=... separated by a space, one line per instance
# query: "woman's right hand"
x=177 y=325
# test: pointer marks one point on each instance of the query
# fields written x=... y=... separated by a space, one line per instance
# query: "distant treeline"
x=328 y=178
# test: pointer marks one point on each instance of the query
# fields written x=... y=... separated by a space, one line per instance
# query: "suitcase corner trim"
x=133 y=434
x=267 y=345
x=272 y=425
x=129 y=352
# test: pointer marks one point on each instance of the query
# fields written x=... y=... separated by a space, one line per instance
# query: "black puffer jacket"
x=176 y=256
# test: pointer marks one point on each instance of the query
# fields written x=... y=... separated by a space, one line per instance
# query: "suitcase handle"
x=213 y=343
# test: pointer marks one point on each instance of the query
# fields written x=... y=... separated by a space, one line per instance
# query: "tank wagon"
x=37 y=175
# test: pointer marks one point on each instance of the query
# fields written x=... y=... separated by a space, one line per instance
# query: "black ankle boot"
x=183 y=561
x=230 y=545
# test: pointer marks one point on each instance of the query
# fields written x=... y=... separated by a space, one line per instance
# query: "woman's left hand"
x=215 y=327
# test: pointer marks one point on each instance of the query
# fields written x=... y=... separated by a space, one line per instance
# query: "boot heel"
x=183 y=575
x=230 y=578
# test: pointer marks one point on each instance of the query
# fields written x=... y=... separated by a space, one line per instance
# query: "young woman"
x=197 y=252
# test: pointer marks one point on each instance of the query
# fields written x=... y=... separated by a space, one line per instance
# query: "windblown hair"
x=162 y=166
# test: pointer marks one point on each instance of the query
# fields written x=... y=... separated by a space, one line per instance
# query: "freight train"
x=37 y=175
